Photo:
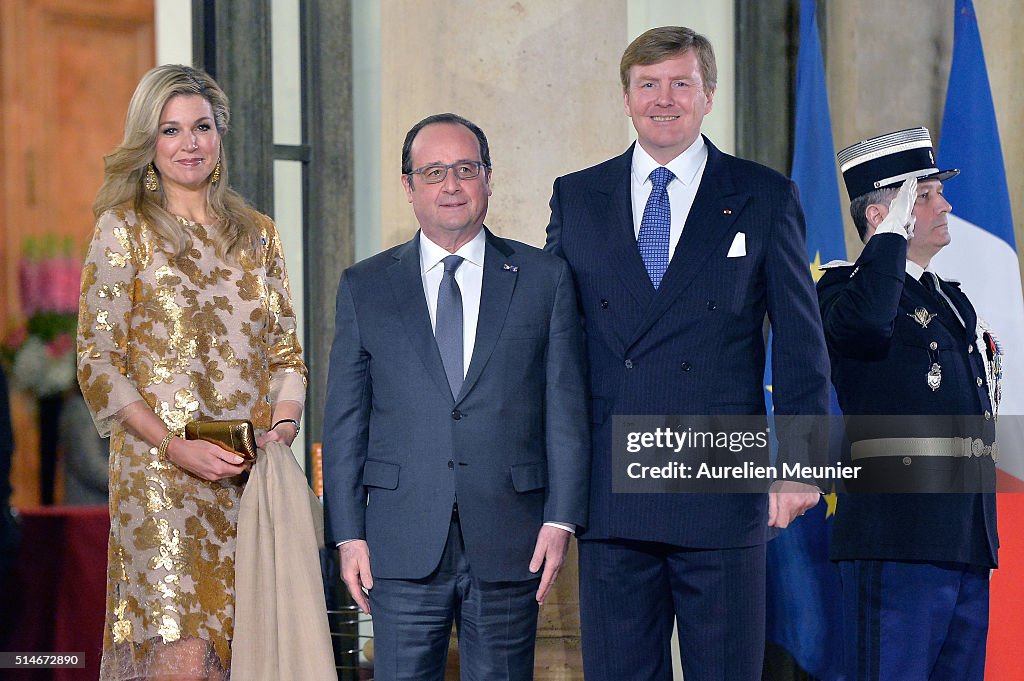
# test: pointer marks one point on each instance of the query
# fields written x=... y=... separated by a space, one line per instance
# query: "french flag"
x=983 y=253
x=983 y=257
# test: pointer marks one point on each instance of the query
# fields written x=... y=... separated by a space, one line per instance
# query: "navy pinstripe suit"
x=693 y=346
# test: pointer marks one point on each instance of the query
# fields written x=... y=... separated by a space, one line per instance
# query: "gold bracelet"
x=161 y=451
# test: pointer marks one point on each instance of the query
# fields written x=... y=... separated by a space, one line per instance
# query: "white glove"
x=900 y=219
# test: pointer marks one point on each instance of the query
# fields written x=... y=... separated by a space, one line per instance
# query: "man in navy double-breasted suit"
x=675 y=273
x=456 y=449
x=916 y=374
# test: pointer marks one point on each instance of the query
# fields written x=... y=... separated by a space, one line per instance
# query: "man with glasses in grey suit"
x=456 y=451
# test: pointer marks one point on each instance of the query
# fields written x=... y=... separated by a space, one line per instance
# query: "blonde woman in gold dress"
x=185 y=315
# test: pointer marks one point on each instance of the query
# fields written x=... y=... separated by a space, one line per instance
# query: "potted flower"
x=40 y=349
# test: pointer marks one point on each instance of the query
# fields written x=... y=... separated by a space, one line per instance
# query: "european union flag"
x=803 y=585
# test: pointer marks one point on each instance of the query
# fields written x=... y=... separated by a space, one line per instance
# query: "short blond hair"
x=665 y=42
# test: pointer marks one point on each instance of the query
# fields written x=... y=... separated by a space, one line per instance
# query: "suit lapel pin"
x=510 y=268
x=922 y=317
x=727 y=211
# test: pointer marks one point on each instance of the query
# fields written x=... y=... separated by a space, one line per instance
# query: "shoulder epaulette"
x=832 y=264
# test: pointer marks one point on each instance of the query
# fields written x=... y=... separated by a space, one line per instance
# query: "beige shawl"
x=281 y=630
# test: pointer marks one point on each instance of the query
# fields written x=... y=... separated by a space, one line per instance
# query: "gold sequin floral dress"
x=195 y=338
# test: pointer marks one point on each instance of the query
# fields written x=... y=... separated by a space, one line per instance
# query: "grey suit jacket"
x=512 y=448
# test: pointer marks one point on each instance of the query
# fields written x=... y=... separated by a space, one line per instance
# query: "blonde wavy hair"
x=238 y=225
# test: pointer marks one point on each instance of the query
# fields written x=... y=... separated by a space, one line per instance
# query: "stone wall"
x=540 y=78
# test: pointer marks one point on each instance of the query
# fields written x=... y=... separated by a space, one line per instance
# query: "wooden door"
x=67 y=71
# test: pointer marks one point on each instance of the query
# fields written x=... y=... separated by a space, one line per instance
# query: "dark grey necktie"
x=448 y=324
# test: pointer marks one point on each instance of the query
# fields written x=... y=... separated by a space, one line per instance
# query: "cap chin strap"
x=898 y=179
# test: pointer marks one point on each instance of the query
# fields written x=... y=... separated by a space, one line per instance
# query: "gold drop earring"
x=215 y=176
x=150 y=181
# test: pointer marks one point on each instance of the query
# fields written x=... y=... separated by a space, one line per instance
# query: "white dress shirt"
x=688 y=168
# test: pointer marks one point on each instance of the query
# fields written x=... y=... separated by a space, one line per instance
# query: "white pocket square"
x=739 y=246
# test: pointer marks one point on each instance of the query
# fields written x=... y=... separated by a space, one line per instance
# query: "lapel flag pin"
x=510 y=268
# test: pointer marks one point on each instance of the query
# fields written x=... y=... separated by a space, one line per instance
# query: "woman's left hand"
x=284 y=433
x=285 y=420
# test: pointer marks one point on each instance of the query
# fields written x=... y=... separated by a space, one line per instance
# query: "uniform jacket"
x=881 y=354
x=696 y=345
x=512 y=448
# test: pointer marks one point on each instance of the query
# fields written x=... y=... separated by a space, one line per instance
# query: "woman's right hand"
x=205 y=459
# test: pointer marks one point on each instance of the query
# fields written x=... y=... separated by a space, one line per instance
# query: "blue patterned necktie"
x=655 y=226
x=448 y=324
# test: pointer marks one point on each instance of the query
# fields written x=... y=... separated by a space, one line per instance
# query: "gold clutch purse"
x=233 y=435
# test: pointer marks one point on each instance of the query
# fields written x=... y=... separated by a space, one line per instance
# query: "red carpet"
x=1005 y=642
x=53 y=601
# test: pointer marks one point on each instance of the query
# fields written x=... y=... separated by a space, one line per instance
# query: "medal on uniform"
x=934 y=377
x=993 y=353
x=922 y=317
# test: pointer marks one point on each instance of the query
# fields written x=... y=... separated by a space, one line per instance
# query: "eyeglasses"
x=464 y=170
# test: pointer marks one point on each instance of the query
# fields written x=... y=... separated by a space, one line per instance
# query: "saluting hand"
x=900 y=218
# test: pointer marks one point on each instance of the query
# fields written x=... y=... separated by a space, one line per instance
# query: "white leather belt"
x=965 y=447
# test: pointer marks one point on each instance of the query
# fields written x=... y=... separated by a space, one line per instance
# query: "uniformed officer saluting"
x=916 y=374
